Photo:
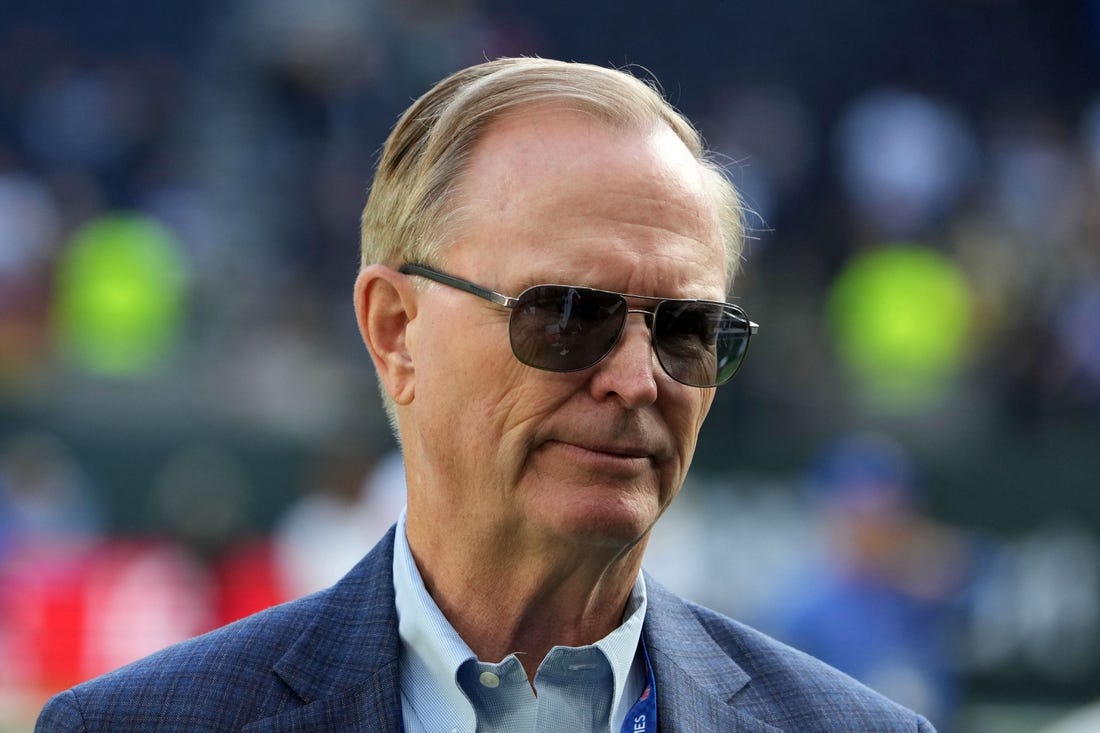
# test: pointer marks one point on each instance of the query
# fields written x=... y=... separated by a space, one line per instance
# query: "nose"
x=629 y=372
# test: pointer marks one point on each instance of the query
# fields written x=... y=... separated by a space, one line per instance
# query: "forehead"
x=537 y=144
x=555 y=194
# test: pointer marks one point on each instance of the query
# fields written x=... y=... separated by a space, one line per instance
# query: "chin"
x=617 y=524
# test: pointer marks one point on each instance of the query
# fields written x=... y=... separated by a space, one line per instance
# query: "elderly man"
x=547 y=254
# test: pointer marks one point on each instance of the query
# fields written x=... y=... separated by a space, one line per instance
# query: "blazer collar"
x=345 y=665
x=697 y=681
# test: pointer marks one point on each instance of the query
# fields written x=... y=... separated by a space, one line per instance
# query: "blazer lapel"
x=697 y=681
x=369 y=708
x=344 y=667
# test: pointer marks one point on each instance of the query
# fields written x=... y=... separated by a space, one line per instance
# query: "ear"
x=385 y=304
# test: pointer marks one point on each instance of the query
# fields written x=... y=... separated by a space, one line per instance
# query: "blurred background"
x=903 y=480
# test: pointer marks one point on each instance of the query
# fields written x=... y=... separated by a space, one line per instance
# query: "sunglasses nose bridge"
x=647 y=315
x=625 y=341
x=647 y=318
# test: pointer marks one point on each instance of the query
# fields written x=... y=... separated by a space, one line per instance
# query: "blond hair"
x=407 y=214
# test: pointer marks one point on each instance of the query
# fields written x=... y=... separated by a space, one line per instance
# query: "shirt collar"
x=432 y=651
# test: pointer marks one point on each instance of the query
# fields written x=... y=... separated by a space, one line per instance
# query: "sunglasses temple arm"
x=456 y=282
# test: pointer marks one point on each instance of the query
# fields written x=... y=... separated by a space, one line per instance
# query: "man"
x=546 y=421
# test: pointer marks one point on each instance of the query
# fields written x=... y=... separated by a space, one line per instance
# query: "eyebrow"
x=653 y=299
x=530 y=281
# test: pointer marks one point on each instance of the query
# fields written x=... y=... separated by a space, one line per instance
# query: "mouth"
x=598 y=451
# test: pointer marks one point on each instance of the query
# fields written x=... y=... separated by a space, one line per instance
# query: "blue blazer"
x=329 y=662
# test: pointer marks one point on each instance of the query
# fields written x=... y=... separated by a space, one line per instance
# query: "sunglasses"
x=566 y=328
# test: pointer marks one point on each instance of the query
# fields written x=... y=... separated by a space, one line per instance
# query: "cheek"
x=460 y=356
x=686 y=420
x=704 y=400
x=495 y=403
x=692 y=403
x=454 y=383
x=525 y=399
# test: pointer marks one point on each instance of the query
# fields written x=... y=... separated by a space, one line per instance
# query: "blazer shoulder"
x=61 y=715
x=221 y=673
x=260 y=666
x=791 y=690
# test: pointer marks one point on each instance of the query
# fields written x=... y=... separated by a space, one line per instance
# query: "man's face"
x=589 y=457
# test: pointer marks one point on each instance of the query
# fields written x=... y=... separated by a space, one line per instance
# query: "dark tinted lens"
x=565 y=329
x=700 y=344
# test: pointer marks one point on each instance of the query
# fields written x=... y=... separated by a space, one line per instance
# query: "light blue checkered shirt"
x=446 y=689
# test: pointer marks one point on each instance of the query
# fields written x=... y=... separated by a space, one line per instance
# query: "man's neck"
x=502 y=600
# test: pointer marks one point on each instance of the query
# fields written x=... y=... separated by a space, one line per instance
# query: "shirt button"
x=490 y=680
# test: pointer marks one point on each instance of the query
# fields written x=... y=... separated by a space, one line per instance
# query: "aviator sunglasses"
x=566 y=328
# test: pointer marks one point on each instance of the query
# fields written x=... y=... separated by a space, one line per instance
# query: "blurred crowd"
x=178 y=239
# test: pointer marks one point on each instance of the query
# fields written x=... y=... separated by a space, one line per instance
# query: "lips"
x=613 y=450
x=617 y=450
x=616 y=437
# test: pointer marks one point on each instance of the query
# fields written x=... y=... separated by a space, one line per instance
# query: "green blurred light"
x=901 y=317
x=120 y=294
